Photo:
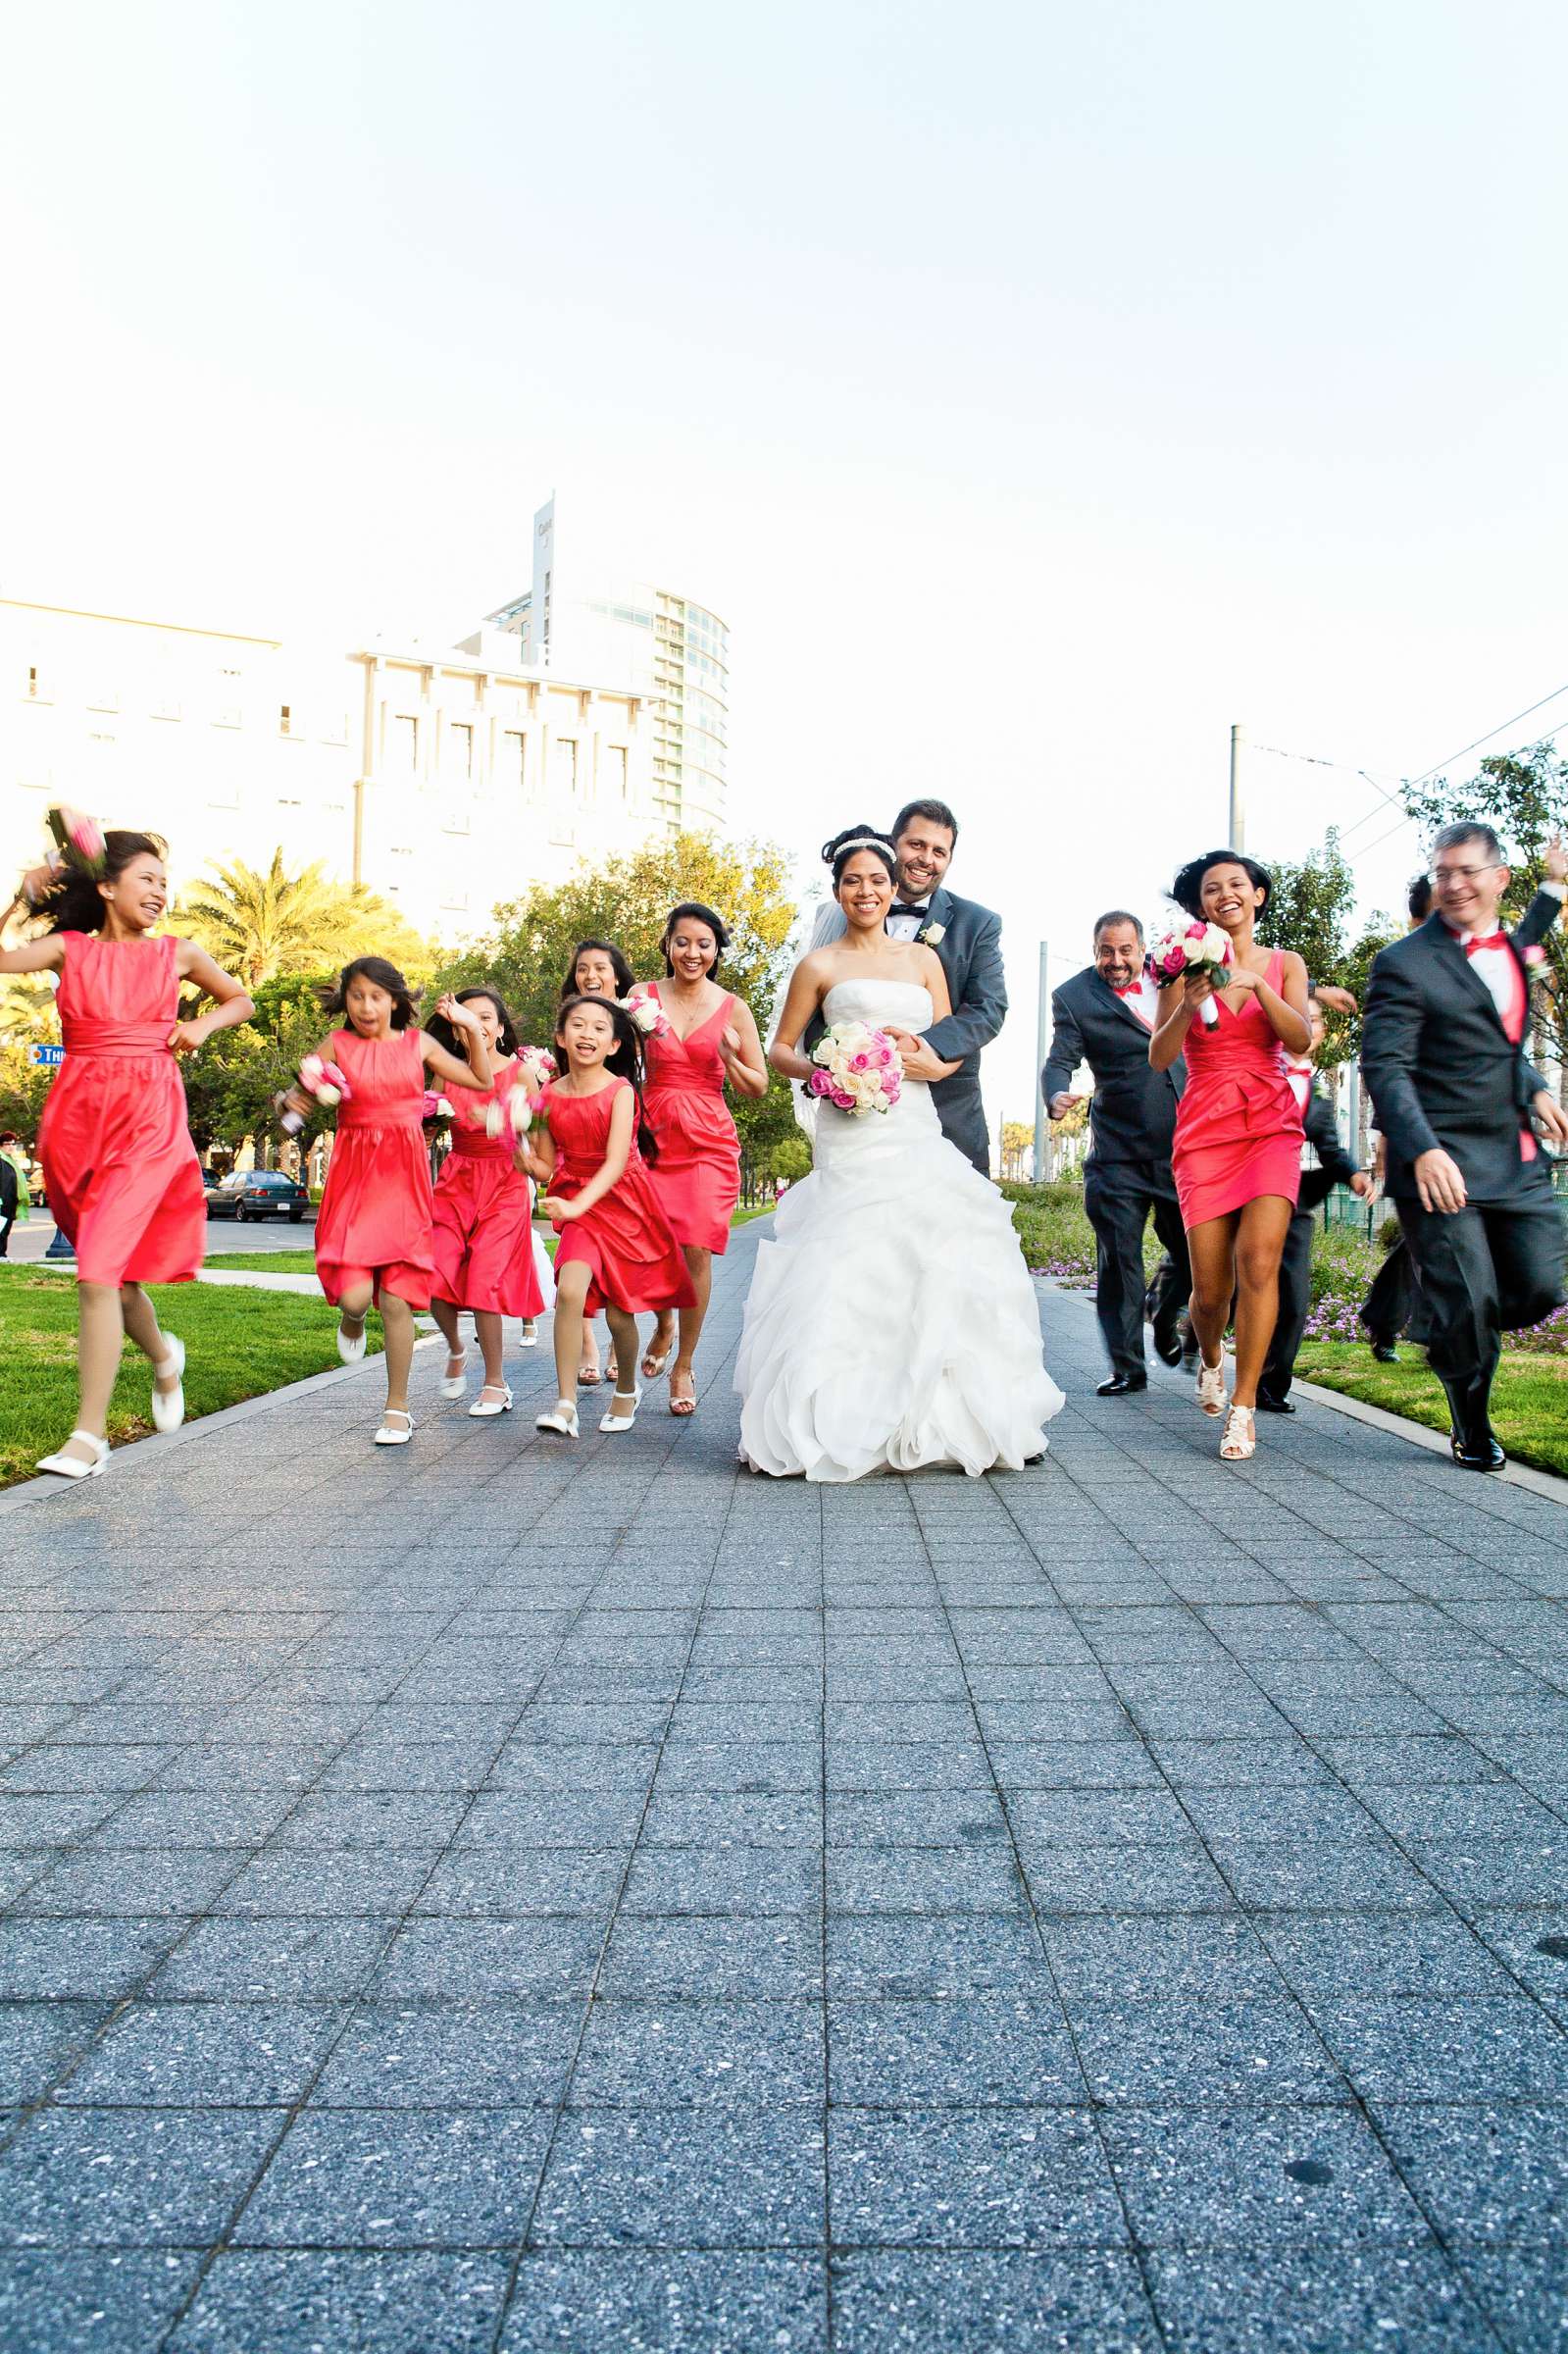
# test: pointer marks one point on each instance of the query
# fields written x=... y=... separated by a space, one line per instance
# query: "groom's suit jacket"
x=1442 y=1070
x=1132 y=1113
x=971 y=956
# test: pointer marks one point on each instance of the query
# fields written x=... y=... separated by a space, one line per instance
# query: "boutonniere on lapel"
x=929 y=934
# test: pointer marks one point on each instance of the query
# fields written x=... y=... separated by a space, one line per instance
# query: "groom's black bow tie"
x=910 y=907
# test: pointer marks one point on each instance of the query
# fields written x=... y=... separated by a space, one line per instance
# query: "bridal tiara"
x=863 y=842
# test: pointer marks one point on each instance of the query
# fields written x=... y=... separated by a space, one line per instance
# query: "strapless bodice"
x=900 y=1005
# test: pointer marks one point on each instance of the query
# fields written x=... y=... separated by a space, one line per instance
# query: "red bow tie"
x=1492 y=940
x=1132 y=988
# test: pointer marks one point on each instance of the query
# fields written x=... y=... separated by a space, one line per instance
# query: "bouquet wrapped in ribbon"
x=1190 y=948
x=514 y=1112
x=78 y=839
x=858 y=1069
x=324 y=1084
x=647 y=1013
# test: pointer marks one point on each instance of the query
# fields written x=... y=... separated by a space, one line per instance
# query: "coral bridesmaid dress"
x=1238 y=1126
x=697 y=1174
x=375 y=1217
x=625 y=1239
x=119 y=1164
x=483 y=1235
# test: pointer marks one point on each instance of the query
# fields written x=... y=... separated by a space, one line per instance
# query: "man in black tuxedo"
x=1103 y=1017
x=968 y=941
x=1335 y=1166
x=1455 y=1093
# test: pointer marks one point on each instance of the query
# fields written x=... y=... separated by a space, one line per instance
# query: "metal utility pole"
x=1236 y=838
x=1043 y=1029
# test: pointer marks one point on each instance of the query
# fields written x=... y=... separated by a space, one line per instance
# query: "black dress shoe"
x=1385 y=1353
x=1270 y=1404
x=1168 y=1347
x=1473 y=1441
x=1121 y=1385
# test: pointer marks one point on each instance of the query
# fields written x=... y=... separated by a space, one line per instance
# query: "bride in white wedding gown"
x=892 y=1322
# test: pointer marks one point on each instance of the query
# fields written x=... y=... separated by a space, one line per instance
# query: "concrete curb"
x=1378 y=1418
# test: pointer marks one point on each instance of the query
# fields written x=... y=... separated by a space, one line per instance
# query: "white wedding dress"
x=892 y=1322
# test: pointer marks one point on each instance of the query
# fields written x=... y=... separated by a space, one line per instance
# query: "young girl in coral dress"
x=483 y=1232
x=596 y=968
x=592 y=1154
x=374 y=1243
x=1237 y=1151
x=707 y=1036
x=118 y=1163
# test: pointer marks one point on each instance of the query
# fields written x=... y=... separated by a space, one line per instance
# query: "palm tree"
x=26 y=1010
x=258 y=926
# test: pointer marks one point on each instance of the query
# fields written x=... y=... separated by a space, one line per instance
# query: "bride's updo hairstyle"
x=1188 y=889
x=842 y=847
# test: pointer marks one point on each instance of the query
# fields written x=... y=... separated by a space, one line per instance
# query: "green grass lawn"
x=265 y=1263
x=239 y=1344
x=1529 y=1397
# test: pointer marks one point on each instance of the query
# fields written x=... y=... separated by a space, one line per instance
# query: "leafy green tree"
x=259 y=925
x=231 y=1084
x=1523 y=796
x=628 y=900
x=1309 y=910
x=24 y=1086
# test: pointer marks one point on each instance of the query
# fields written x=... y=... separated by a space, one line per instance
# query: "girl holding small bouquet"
x=596 y=968
x=118 y=1163
x=701 y=1040
x=591 y=1153
x=483 y=1229
x=1237 y=1151
x=374 y=1243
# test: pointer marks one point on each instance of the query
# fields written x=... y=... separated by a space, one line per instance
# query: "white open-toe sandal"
x=562 y=1418
x=390 y=1435
x=454 y=1383
x=73 y=1466
x=488 y=1404
x=612 y=1421
x=1211 y=1385
x=168 y=1406
x=1241 y=1435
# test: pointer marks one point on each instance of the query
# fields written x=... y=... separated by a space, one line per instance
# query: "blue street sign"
x=47 y=1055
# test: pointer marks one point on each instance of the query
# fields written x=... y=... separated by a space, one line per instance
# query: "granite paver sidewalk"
x=503 y=1894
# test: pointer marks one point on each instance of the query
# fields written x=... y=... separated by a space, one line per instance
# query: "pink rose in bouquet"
x=858 y=1069
x=1189 y=947
x=79 y=838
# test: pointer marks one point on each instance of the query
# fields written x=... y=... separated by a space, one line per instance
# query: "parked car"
x=223 y=1194
x=268 y=1194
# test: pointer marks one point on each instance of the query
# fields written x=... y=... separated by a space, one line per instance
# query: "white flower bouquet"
x=1190 y=948
x=858 y=1069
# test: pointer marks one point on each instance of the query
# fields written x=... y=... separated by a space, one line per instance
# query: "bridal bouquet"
x=323 y=1082
x=648 y=1015
x=514 y=1112
x=1189 y=947
x=858 y=1069
x=79 y=840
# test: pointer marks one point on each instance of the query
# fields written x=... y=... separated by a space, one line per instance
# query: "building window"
x=459 y=747
x=37 y=691
x=403 y=743
x=614 y=764
x=564 y=765
x=514 y=759
x=285 y=719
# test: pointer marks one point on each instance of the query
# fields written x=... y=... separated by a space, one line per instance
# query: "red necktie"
x=1130 y=990
x=1492 y=940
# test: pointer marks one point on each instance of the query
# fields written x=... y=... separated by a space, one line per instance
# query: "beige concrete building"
x=447 y=780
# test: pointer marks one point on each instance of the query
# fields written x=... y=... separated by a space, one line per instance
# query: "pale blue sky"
x=1033 y=389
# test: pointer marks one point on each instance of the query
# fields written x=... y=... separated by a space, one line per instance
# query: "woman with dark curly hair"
x=1237 y=1153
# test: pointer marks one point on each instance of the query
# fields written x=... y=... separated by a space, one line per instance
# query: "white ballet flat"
x=562 y=1419
x=71 y=1467
x=614 y=1422
x=530 y=1336
x=1211 y=1385
x=486 y=1407
x=168 y=1406
x=1241 y=1435
x=351 y=1345
x=387 y=1436
x=454 y=1383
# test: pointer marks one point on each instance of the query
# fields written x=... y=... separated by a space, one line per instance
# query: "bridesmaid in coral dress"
x=708 y=1037
x=1237 y=1153
x=373 y=1242
x=118 y=1163
x=483 y=1230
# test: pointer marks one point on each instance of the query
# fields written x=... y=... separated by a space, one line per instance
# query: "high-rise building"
x=578 y=618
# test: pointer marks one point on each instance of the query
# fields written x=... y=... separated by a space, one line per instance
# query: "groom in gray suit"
x=968 y=940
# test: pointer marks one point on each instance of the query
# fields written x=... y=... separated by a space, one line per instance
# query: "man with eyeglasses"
x=1459 y=1105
